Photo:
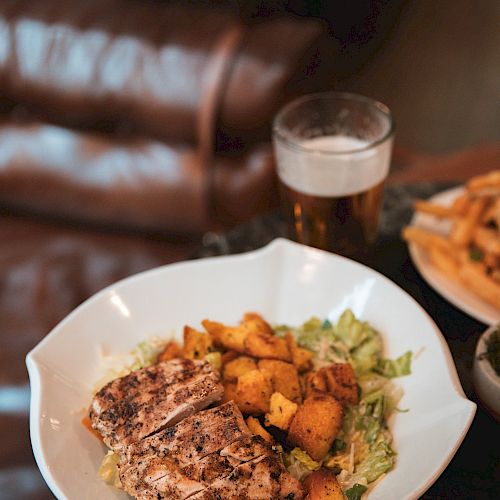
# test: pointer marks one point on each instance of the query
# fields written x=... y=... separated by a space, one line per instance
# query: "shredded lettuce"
x=395 y=367
x=380 y=459
x=299 y=464
x=355 y=491
x=108 y=471
x=352 y=331
x=215 y=359
x=362 y=451
x=305 y=459
x=118 y=365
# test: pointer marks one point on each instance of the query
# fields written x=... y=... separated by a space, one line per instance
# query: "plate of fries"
x=454 y=242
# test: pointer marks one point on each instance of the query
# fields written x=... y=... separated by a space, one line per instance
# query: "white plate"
x=284 y=281
x=450 y=289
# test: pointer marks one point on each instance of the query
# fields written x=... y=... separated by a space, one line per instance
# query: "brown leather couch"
x=127 y=129
x=135 y=114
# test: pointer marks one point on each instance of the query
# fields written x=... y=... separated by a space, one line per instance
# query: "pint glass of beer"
x=333 y=153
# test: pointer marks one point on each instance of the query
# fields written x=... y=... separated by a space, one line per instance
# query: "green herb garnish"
x=492 y=353
x=475 y=254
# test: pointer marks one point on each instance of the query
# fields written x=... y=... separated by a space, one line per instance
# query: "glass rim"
x=278 y=126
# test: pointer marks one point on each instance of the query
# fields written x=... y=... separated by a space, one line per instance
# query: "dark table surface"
x=474 y=472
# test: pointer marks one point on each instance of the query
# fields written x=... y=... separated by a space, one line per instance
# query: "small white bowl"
x=486 y=381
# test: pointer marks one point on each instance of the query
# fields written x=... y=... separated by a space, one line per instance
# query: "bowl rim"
x=34 y=363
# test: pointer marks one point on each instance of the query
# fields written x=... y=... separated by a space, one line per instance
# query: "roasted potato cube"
x=284 y=377
x=316 y=424
x=229 y=356
x=196 y=344
x=171 y=350
x=257 y=430
x=253 y=392
x=282 y=411
x=261 y=345
x=314 y=382
x=238 y=366
x=259 y=322
x=341 y=382
x=230 y=337
x=301 y=358
x=322 y=485
x=229 y=391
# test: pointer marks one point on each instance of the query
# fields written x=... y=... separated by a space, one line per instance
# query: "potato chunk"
x=229 y=391
x=284 y=377
x=239 y=366
x=253 y=392
x=314 y=382
x=316 y=424
x=261 y=345
x=171 y=350
x=322 y=485
x=341 y=382
x=230 y=337
x=259 y=322
x=229 y=356
x=301 y=358
x=282 y=411
x=196 y=344
x=257 y=430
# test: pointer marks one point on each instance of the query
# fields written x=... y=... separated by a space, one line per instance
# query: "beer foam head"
x=333 y=165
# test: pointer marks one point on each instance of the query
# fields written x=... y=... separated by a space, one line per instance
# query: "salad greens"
x=108 y=471
x=362 y=451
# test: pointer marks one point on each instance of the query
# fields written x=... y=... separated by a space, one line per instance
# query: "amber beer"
x=343 y=224
x=333 y=152
x=332 y=192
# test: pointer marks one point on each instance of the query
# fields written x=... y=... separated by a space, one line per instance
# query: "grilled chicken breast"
x=171 y=447
x=194 y=437
x=202 y=455
x=263 y=478
x=145 y=401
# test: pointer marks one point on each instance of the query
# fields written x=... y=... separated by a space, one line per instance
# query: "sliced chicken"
x=133 y=407
x=169 y=449
x=185 y=458
x=263 y=478
x=194 y=437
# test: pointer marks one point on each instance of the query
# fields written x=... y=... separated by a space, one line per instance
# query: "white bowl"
x=486 y=381
x=284 y=281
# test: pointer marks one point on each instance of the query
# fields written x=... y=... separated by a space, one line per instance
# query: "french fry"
x=492 y=261
x=470 y=252
x=492 y=213
x=461 y=204
x=486 y=181
x=488 y=240
x=424 y=238
x=461 y=232
x=444 y=261
x=481 y=284
x=431 y=208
